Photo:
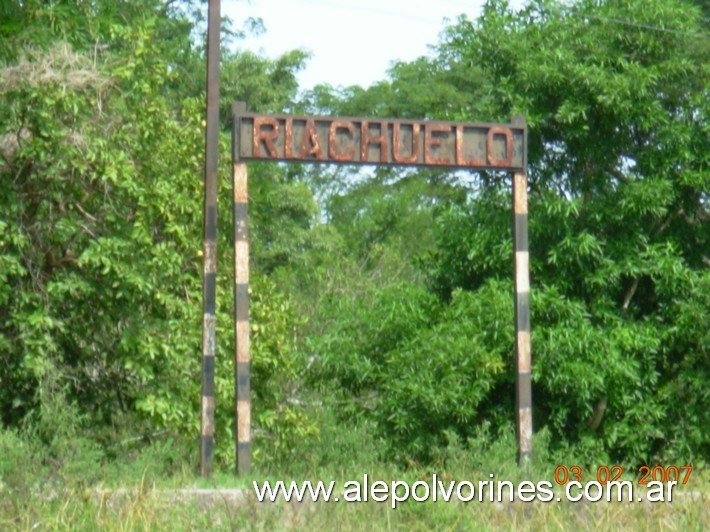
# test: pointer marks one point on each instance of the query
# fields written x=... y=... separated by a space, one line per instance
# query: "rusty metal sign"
x=477 y=146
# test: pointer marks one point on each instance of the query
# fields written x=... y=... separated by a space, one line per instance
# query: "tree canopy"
x=383 y=298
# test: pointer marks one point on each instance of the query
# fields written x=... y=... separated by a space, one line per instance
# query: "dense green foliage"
x=381 y=302
x=616 y=98
x=100 y=230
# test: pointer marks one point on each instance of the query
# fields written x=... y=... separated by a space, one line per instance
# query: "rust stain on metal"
x=333 y=149
x=310 y=145
x=380 y=141
x=209 y=322
x=243 y=421
x=240 y=183
x=242 y=330
x=208 y=415
x=505 y=132
x=241 y=265
x=433 y=140
x=267 y=136
x=460 y=158
x=288 y=139
x=524 y=359
x=413 y=147
x=367 y=138
x=520 y=193
x=525 y=427
x=210 y=251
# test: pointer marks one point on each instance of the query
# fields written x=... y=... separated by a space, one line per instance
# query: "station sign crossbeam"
x=477 y=146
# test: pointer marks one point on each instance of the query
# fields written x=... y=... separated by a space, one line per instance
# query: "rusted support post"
x=523 y=383
x=310 y=139
x=209 y=252
x=241 y=306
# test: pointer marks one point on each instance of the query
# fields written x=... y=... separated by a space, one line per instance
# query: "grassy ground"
x=150 y=505
x=70 y=484
x=149 y=509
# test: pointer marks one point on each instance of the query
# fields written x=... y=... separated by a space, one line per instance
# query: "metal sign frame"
x=311 y=139
x=378 y=141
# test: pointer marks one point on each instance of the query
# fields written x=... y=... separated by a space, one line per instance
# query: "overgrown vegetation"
x=381 y=303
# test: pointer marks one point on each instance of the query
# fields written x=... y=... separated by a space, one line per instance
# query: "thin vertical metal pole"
x=241 y=304
x=209 y=278
x=523 y=383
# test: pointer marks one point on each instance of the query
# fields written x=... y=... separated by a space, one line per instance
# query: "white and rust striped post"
x=209 y=252
x=523 y=382
x=241 y=306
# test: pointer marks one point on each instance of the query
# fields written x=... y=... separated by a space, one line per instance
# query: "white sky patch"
x=352 y=42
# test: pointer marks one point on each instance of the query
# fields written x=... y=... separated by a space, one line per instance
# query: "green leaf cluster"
x=615 y=95
x=101 y=144
x=381 y=301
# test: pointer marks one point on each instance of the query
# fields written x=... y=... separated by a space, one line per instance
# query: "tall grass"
x=53 y=477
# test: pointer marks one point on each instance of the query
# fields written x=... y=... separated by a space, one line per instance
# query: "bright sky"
x=352 y=42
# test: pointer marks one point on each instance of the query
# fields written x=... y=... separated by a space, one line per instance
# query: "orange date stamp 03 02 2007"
x=605 y=474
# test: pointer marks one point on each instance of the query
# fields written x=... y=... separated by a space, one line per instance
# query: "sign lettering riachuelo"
x=477 y=146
